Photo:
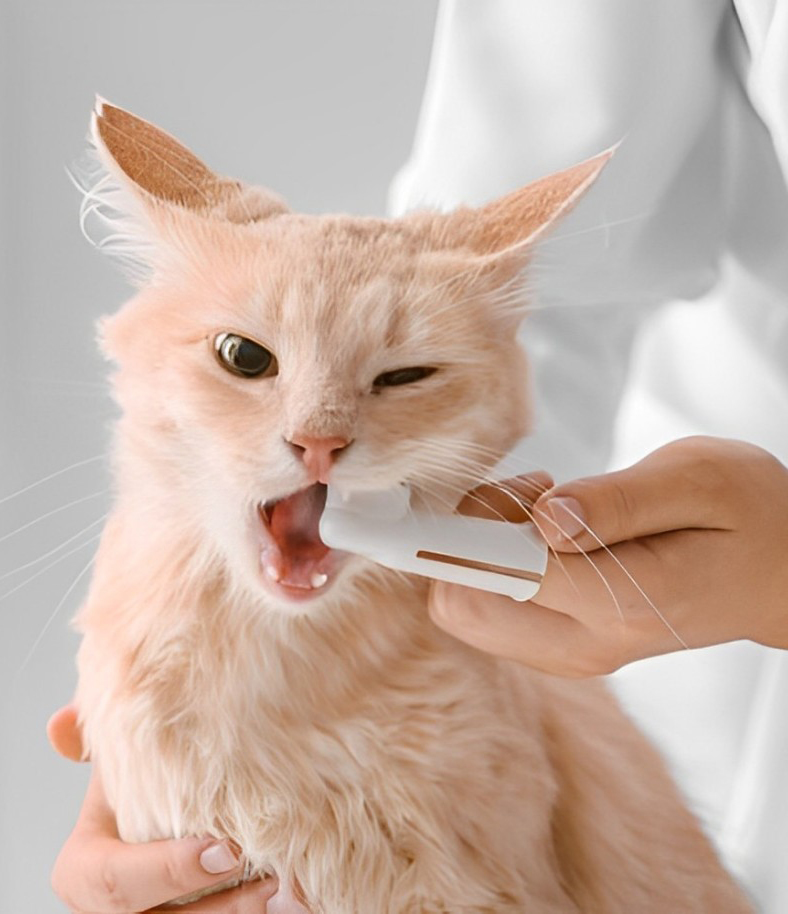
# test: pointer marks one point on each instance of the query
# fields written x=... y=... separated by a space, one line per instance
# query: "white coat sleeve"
x=520 y=88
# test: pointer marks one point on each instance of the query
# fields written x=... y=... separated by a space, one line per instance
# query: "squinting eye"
x=402 y=376
x=244 y=357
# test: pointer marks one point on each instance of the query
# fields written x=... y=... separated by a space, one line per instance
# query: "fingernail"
x=567 y=517
x=218 y=858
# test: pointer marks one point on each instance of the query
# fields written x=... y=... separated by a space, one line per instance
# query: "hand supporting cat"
x=697 y=534
x=97 y=873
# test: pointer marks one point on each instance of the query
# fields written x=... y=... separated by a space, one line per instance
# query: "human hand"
x=97 y=873
x=698 y=541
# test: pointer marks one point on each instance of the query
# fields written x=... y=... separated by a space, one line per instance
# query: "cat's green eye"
x=244 y=357
x=402 y=376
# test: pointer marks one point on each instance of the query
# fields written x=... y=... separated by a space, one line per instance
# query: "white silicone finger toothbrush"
x=501 y=557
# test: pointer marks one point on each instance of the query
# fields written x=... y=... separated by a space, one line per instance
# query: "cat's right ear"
x=505 y=230
x=150 y=181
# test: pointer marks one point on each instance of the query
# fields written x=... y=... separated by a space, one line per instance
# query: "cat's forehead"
x=341 y=249
x=368 y=275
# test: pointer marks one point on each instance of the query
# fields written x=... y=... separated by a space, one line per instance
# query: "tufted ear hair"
x=157 y=168
x=150 y=202
x=484 y=250
x=505 y=229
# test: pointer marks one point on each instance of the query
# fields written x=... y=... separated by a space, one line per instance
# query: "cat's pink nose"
x=318 y=454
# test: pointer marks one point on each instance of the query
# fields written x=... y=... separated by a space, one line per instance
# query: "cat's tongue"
x=295 y=557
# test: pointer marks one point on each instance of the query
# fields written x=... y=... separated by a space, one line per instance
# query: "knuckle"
x=608 y=662
x=656 y=561
x=612 y=651
x=651 y=553
x=648 y=598
x=112 y=892
x=591 y=652
x=60 y=886
x=621 y=504
x=59 y=879
x=713 y=466
x=175 y=876
x=438 y=608
x=599 y=658
x=449 y=607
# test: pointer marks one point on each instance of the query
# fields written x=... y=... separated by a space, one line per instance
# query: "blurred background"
x=317 y=100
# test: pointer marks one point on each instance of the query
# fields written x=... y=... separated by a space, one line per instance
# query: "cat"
x=239 y=679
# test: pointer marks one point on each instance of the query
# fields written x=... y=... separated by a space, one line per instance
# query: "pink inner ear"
x=522 y=216
x=155 y=161
x=159 y=165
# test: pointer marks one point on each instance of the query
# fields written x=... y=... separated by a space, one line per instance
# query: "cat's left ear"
x=161 y=172
x=154 y=201
x=503 y=232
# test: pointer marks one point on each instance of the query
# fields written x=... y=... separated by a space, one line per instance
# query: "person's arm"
x=517 y=90
x=687 y=548
x=97 y=873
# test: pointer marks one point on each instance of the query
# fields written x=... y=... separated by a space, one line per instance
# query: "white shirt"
x=662 y=305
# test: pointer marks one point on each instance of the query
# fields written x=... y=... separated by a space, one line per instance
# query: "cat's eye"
x=244 y=357
x=402 y=376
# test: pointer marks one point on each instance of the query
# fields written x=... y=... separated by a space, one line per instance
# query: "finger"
x=106 y=875
x=249 y=898
x=631 y=598
x=96 y=818
x=64 y=733
x=673 y=488
x=508 y=499
x=96 y=871
x=527 y=632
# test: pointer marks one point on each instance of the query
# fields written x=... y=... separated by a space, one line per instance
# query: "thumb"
x=667 y=490
x=65 y=735
x=508 y=499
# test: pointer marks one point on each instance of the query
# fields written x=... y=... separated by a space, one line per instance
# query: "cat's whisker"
x=54 y=511
x=556 y=555
x=84 y=213
x=603 y=226
x=518 y=500
x=39 y=482
x=631 y=579
x=494 y=454
x=514 y=287
x=502 y=517
x=51 y=552
x=598 y=571
x=479 y=470
x=502 y=462
x=46 y=568
x=54 y=613
x=447 y=454
x=523 y=505
x=119 y=238
x=67 y=382
x=553 y=551
x=94 y=395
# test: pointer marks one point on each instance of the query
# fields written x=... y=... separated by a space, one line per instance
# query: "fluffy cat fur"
x=343 y=742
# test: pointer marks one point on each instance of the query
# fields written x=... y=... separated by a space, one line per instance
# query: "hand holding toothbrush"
x=687 y=548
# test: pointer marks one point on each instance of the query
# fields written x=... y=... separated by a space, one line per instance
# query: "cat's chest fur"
x=368 y=757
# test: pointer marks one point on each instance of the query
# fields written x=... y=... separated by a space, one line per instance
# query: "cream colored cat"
x=239 y=679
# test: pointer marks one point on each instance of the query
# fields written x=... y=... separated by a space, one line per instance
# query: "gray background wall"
x=315 y=99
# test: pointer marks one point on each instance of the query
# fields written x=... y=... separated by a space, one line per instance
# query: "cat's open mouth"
x=294 y=560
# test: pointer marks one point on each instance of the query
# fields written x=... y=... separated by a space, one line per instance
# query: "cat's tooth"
x=271 y=572
x=318 y=579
